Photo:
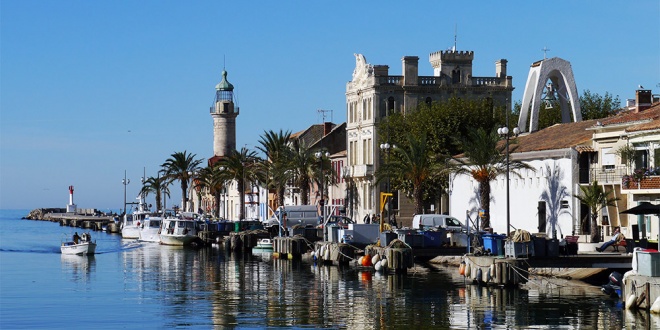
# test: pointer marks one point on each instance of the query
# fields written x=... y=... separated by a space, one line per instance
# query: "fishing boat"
x=264 y=243
x=179 y=230
x=79 y=245
x=130 y=227
x=150 y=229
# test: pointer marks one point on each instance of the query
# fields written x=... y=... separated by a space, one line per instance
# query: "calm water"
x=134 y=285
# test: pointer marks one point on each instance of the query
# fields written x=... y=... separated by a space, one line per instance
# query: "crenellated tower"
x=224 y=115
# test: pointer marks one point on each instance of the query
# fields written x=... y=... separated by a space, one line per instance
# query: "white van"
x=430 y=221
x=305 y=215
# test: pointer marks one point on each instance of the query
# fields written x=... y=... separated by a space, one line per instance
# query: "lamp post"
x=504 y=133
x=386 y=147
x=320 y=155
x=125 y=182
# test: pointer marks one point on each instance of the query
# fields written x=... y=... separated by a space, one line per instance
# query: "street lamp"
x=125 y=182
x=320 y=155
x=386 y=147
x=504 y=133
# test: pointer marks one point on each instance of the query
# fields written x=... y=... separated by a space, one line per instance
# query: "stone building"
x=373 y=93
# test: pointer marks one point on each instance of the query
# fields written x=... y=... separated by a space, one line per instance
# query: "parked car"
x=304 y=215
x=338 y=220
x=430 y=221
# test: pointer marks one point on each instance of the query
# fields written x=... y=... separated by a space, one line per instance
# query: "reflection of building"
x=373 y=93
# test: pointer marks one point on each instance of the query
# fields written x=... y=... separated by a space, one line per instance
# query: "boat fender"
x=383 y=263
x=327 y=254
x=655 y=308
x=479 y=276
x=378 y=266
x=375 y=259
x=630 y=301
x=461 y=269
x=360 y=261
x=467 y=270
x=491 y=273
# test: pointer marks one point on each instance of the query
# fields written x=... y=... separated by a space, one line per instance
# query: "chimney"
x=643 y=99
x=410 y=72
x=500 y=68
x=327 y=127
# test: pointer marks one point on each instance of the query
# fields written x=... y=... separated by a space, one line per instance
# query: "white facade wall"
x=525 y=193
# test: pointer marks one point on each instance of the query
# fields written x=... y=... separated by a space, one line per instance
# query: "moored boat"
x=264 y=243
x=179 y=230
x=79 y=245
x=150 y=229
x=130 y=228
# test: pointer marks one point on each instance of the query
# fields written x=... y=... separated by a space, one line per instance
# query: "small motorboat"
x=264 y=243
x=79 y=246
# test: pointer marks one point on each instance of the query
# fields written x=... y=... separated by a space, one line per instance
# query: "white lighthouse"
x=71 y=208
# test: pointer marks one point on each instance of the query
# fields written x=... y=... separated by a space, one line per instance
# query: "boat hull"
x=178 y=240
x=132 y=232
x=87 y=248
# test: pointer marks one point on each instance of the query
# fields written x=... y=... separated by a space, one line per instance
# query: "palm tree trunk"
x=184 y=196
x=484 y=200
x=241 y=198
x=216 y=198
x=418 y=194
x=595 y=234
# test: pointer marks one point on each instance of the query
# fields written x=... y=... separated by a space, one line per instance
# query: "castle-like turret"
x=224 y=118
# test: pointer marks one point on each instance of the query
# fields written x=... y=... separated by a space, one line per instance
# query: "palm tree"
x=303 y=168
x=158 y=186
x=241 y=166
x=278 y=161
x=214 y=178
x=484 y=161
x=412 y=167
x=594 y=197
x=180 y=166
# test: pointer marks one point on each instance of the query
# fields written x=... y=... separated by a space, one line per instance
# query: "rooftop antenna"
x=455 y=34
x=224 y=60
x=323 y=114
x=545 y=52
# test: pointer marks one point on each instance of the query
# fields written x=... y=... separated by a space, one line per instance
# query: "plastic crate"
x=519 y=249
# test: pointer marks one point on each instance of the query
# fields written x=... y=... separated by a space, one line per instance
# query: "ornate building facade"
x=373 y=93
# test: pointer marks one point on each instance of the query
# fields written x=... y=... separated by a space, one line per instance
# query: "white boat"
x=150 y=229
x=80 y=246
x=179 y=230
x=265 y=243
x=130 y=227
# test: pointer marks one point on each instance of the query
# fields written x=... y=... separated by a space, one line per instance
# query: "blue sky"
x=90 y=89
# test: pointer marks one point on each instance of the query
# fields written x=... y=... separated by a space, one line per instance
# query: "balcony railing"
x=603 y=174
x=619 y=175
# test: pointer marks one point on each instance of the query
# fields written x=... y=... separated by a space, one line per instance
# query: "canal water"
x=132 y=285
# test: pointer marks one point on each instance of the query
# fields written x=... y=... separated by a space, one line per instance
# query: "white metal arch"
x=560 y=73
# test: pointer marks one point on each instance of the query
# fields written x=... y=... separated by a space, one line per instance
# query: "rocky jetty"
x=40 y=214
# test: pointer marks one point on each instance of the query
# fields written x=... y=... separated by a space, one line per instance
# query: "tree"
x=440 y=122
x=278 y=152
x=214 y=178
x=180 y=166
x=594 y=106
x=484 y=160
x=158 y=186
x=594 y=197
x=412 y=167
x=240 y=166
x=303 y=169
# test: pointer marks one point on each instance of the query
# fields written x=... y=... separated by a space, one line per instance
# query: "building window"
x=428 y=101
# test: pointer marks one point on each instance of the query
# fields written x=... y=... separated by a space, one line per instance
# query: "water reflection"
x=78 y=268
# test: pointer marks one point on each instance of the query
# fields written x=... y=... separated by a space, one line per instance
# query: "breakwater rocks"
x=40 y=214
